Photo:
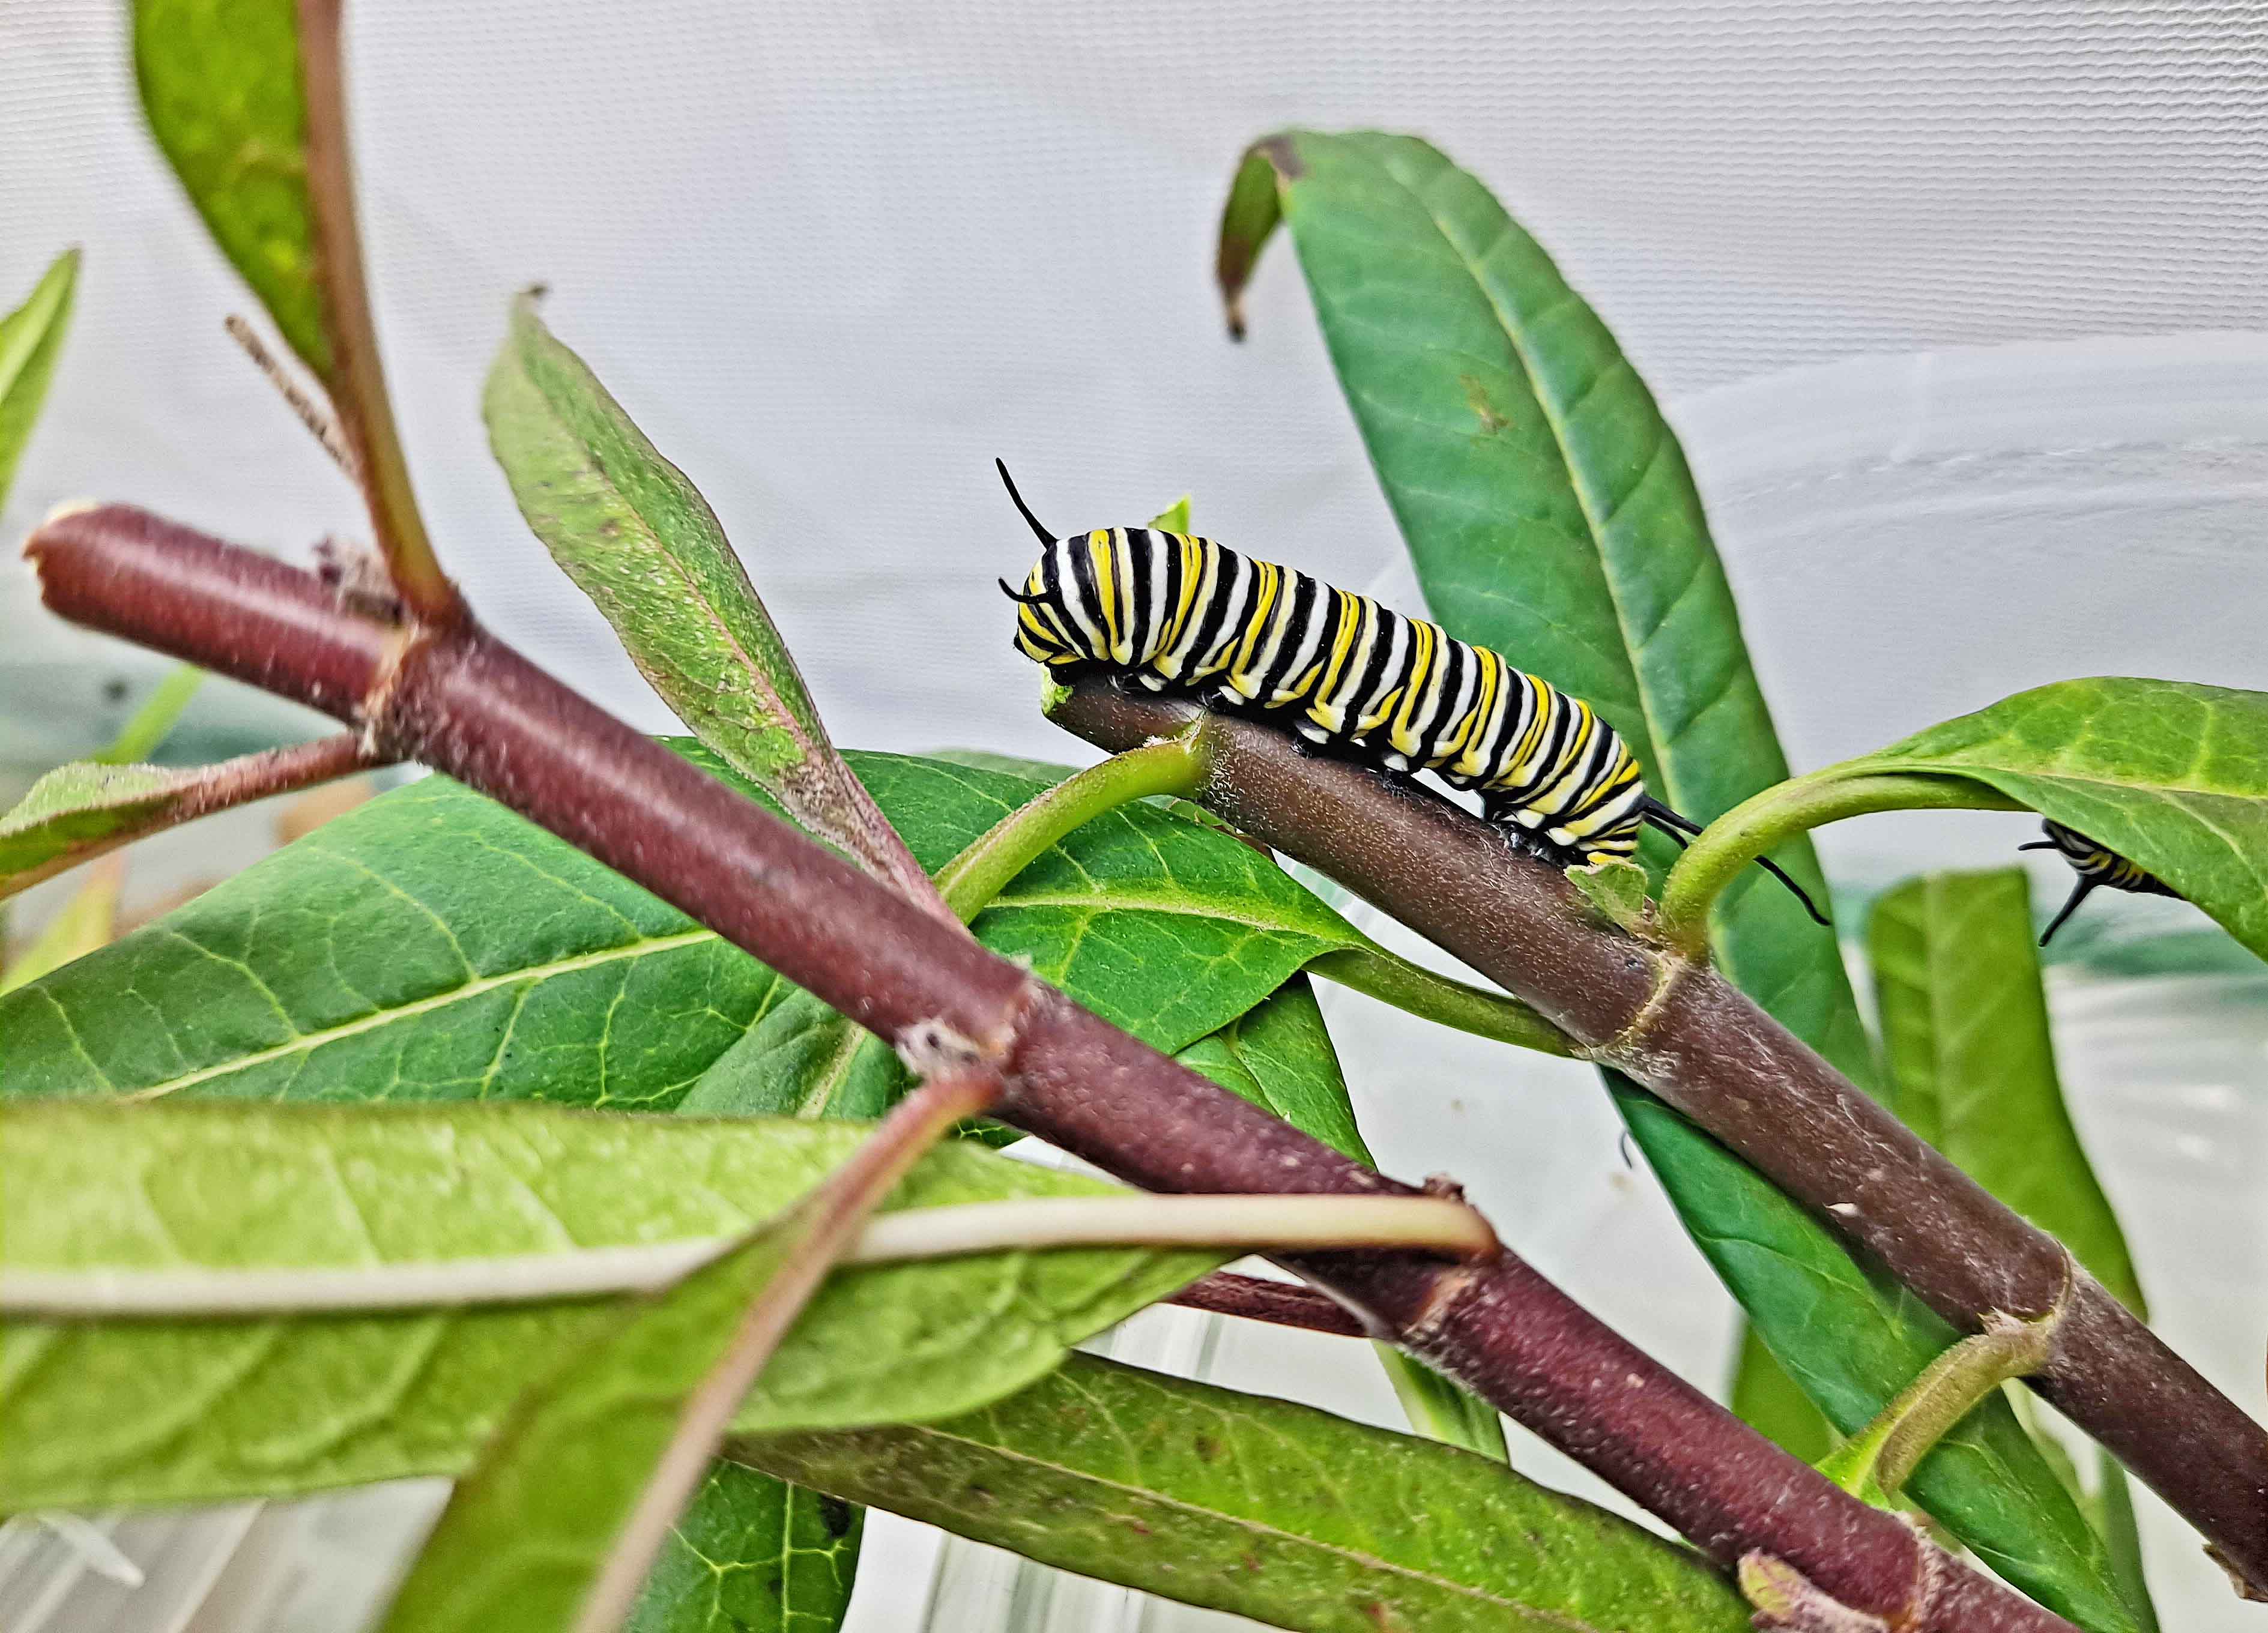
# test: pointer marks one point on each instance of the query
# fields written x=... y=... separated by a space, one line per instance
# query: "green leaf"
x=1617 y=888
x=1550 y=516
x=1278 y=1055
x=220 y=84
x=31 y=340
x=2169 y=774
x=430 y=946
x=1265 y=1509
x=1544 y=500
x=1175 y=517
x=81 y=810
x=528 y=1531
x=1972 y=1065
x=127 y=1410
x=753 y=1555
x=1853 y=1348
x=639 y=539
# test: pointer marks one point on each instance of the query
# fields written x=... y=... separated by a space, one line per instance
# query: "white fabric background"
x=1960 y=308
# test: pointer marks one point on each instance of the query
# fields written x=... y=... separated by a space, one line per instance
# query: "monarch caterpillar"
x=2095 y=866
x=1170 y=612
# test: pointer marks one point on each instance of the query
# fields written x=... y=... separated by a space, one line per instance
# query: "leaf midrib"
x=308 y=1040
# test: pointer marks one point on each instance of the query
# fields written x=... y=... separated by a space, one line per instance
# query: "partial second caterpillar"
x=2096 y=866
x=1171 y=612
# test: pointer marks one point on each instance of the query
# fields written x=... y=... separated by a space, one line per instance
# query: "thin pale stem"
x=832 y=1215
x=358 y=374
x=317 y=420
x=1432 y=1225
x=1719 y=853
x=983 y=871
x=1412 y=986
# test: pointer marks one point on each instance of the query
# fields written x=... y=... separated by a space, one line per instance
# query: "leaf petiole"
x=1754 y=828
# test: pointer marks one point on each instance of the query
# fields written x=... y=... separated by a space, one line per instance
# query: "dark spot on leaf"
x=1250 y=1561
x=977 y=1494
x=1282 y=154
x=1380 y=1616
x=1137 y=1528
x=114 y=690
x=836 y=1515
x=1477 y=396
x=1207 y=1447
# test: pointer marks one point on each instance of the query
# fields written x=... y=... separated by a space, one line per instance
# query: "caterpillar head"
x=1041 y=626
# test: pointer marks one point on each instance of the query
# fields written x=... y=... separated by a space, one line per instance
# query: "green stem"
x=1173 y=765
x=1394 y=979
x=1875 y=1462
x=1754 y=828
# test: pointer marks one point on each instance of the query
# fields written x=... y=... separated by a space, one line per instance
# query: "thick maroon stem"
x=1699 y=1042
x=462 y=702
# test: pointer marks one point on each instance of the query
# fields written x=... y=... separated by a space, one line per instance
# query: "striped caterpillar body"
x=1169 y=611
x=2095 y=866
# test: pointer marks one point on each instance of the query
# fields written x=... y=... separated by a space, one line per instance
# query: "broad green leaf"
x=2172 y=775
x=1972 y=1065
x=79 y=926
x=639 y=539
x=1550 y=515
x=1544 y=500
x=430 y=946
x=1266 y=1509
x=1279 y=1055
x=220 y=84
x=752 y=1554
x=1852 y=1348
x=31 y=340
x=97 y=1412
x=530 y=1527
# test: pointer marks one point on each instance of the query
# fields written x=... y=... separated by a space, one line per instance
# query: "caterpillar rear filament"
x=1173 y=613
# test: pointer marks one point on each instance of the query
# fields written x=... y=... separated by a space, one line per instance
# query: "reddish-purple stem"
x=462 y=702
x=1699 y=1042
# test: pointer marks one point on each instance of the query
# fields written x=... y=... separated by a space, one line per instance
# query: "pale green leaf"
x=125 y=1410
x=31 y=340
x=639 y=539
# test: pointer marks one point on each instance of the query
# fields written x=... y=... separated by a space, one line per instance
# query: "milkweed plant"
x=613 y=1125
